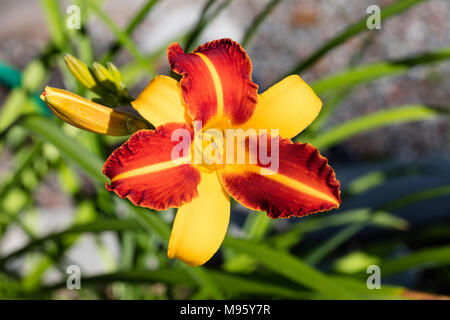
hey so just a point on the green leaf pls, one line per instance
(204, 20)
(132, 25)
(11, 179)
(94, 227)
(291, 237)
(417, 197)
(378, 218)
(122, 38)
(201, 277)
(354, 262)
(55, 21)
(68, 146)
(352, 30)
(256, 227)
(377, 178)
(332, 243)
(14, 106)
(386, 292)
(238, 284)
(358, 75)
(371, 121)
(257, 22)
(151, 220)
(423, 259)
(291, 267)
(232, 284)
(333, 101)
(33, 75)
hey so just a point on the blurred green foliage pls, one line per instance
(270, 260)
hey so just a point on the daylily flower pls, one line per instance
(216, 90)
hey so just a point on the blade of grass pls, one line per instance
(238, 284)
(291, 237)
(377, 178)
(389, 11)
(291, 267)
(257, 22)
(132, 72)
(386, 292)
(13, 178)
(423, 259)
(58, 31)
(204, 20)
(372, 121)
(379, 218)
(122, 37)
(68, 146)
(417, 197)
(132, 25)
(338, 96)
(232, 284)
(256, 226)
(359, 75)
(92, 227)
(152, 222)
(54, 19)
(202, 277)
(331, 244)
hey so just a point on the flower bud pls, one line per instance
(87, 115)
(82, 73)
(106, 78)
(114, 71)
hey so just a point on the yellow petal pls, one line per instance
(161, 102)
(289, 106)
(201, 225)
(87, 115)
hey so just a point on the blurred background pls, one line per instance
(384, 128)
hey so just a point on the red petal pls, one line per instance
(303, 184)
(216, 81)
(142, 170)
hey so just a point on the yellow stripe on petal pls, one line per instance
(200, 226)
(161, 102)
(152, 168)
(289, 106)
(277, 177)
(217, 83)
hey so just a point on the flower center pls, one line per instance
(208, 148)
